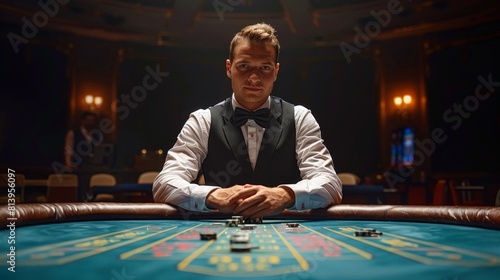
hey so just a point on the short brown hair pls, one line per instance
(259, 32)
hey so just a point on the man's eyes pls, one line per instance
(247, 67)
(243, 66)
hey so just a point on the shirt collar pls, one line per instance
(265, 105)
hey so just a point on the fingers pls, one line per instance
(218, 199)
(250, 201)
(263, 201)
(257, 209)
(242, 194)
(248, 206)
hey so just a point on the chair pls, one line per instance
(147, 177)
(467, 197)
(102, 180)
(19, 184)
(349, 178)
(144, 178)
(442, 190)
(440, 193)
(62, 188)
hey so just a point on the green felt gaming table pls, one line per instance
(315, 249)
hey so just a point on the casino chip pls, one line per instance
(232, 222)
(240, 242)
(241, 247)
(239, 218)
(368, 232)
(208, 236)
(240, 238)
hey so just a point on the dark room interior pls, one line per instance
(171, 140)
(344, 60)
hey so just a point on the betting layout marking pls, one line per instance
(419, 250)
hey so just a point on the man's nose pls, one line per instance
(253, 78)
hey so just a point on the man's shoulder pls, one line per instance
(297, 108)
(201, 113)
(221, 103)
(301, 108)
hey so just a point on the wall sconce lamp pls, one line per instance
(94, 102)
(402, 105)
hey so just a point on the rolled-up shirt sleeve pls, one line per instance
(174, 184)
(320, 186)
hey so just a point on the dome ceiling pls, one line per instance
(212, 23)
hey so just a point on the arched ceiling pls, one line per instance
(212, 23)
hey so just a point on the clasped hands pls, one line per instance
(251, 201)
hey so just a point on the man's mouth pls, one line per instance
(252, 88)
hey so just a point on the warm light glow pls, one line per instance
(160, 152)
(407, 99)
(98, 101)
(402, 111)
(94, 102)
(144, 152)
(89, 99)
(398, 101)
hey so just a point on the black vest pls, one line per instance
(227, 162)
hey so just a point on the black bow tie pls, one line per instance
(261, 117)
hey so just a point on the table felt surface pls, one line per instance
(172, 249)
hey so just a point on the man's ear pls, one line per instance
(277, 70)
(228, 68)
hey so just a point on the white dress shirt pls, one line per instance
(319, 187)
(70, 142)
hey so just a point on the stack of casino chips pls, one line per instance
(239, 220)
(368, 232)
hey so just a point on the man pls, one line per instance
(258, 167)
(79, 143)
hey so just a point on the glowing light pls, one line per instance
(407, 99)
(98, 101)
(398, 101)
(89, 99)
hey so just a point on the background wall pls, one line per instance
(469, 116)
(433, 50)
(34, 104)
(344, 106)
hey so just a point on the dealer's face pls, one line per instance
(252, 73)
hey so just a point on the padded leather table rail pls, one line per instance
(42, 213)
(154, 241)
